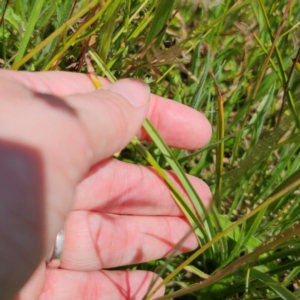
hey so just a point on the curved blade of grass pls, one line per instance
(236, 250)
(162, 14)
(279, 289)
(140, 28)
(220, 148)
(279, 255)
(254, 225)
(293, 273)
(38, 4)
(260, 115)
(195, 222)
(184, 206)
(283, 268)
(233, 267)
(287, 141)
(192, 269)
(176, 167)
(102, 66)
(287, 182)
(108, 28)
(197, 97)
(250, 244)
(260, 250)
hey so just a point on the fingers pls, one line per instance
(104, 285)
(117, 187)
(63, 284)
(179, 125)
(94, 241)
(172, 119)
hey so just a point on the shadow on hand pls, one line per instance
(22, 215)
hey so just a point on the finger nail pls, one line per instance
(135, 91)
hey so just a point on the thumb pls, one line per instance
(112, 115)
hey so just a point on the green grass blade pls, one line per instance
(279, 289)
(198, 96)
(102, 66)
(220, 148)
(46, 16)
(283, 268)
(185, 207)
(20, 9)
(254, 225)
(196, 271)
(176, 167)
(249, 244)
(38, 4)
(140, 28)
(230, 269)
(162, 14)
(262, 249)
(267, 258)
(65, 8)
(195, 222)
(108, 28)
(236, 250)
(287, 182)
(212, 145)
(292, 275)
(259, 116)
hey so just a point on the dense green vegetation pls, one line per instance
(234, 60)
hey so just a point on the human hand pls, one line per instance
(55, 169)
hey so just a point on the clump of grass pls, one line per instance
(233, 60)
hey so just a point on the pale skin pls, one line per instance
(56, 169)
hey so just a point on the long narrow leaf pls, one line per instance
(176, 167)
(233, 267)
(65, 7)
(257, 252)
(162, 14)
(108, 28)
(38, 4)
(195, 222)
(198, 96)
(279, 289)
